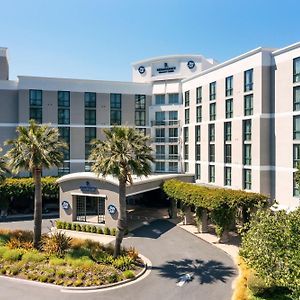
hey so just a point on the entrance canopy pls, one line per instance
(140, 184)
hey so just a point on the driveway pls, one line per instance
(173, 252)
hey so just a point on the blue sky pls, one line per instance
(99, 39)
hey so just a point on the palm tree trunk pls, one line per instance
(122, 221)
(37, 229)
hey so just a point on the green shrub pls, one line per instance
(57, 244)
(60, 272)
(113, 231)
(78, 282)
(83, 228)
(106, 231)
(3, 250)
(64, 225)
(78, 227)
(123, 263)
(33, 256)
(80, 252)
(99, 230)
(94, 229)
(112, 278)
(43, 278)
(73, 226)
(55, 261)
(256, 284)
(68, 226)
(128, 274)
(12, 255)
(59, 224)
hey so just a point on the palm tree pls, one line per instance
(124, 152)
(3, 168)
(36, 147)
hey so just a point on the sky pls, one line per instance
(100, 39)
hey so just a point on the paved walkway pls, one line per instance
(173, 253)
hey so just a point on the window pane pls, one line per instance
(187, 98)
(140, 118)
(211, 173)
(247, 154)
(174, 98)
(212, 153)
(248, 80)
(296, 155)
(212, 111)
(115, 101)
(63, 99)
(90, 99)
(227, 154)
(159, 99)
(35, 97)
(212, 90)
(227, 176)
(296, 134)
(248, 105)
(199, 114)
(63, 116)
(140, 102)
(229, 86)
(247, 130)
(229, 108)
(247, 179)
(198, 171)
(296, 69)
(296, 96)
(198, 133)
(186, 134)
(227, 131)
(187, 116)
(211, 132)
(36, 114)
(90, 116)
(115, 117)
(199, 94)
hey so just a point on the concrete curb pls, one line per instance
(141, 275)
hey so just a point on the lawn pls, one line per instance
(64, 261)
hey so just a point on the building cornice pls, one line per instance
(286, 49)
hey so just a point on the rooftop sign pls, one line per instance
(166, 69)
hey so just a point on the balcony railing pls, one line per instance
(167, 157)
(165, 123)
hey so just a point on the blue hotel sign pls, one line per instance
(88, 188)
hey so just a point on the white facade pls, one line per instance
(233, 124)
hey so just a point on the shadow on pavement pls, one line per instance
(153, 230)
(206, 272)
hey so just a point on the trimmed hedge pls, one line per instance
(24, 188)
(211, 198)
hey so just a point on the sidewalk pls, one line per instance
(231, 249)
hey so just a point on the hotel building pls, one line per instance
(234, 124)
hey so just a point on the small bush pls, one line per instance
(132, 253)
(99, 230)
(112, 278)
(106, 231)
(60, 272)
(43, 278)
(113, 231)
(55, 261)
(12, 255)
(14, 243)
(58, 243)
(33, 256)
(88, 228)
(256, 284)
(78, 282)
(68, 226)
(3, 250)
(128, 274)
(83, 228)
(64, 225)
(73, 226)
(59, 224)
(78, 227)
(94, 229)
(123, 263)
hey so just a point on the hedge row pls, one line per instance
(211, 198)
(87, 228)
(24, 188)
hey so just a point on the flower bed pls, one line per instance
(65, 261)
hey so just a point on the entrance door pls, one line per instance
(90, 209)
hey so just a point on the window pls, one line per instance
(187, 98)
(198, 171)
(63, 116)
(248, 80)
(173, 117)
(197, 133)
(211, 152)
(296, 98)
(173, 135)
(296, 155)
(90, 134)
(199, 94)
(35, 105)
(211, 132)
(212, 111)
(199, 114)
(248, 131)
(248, 105)
(64, 133)
(186, 151)
(115, 109)
(296, 69)
(229, 108)
(160, 135)
(140, 118)
(186, 134)
(174, 98)
(198, 152)
(63, 99)
(159, 99)
(173, 166)
(160, 118)
(212, 90)
(64, 169)
(227, 131)
(296, 129)
(160, 166)
(90, 117)
(173, 152)
(247, 154)
(247, 179)
(229, 86)
(211, 173)
(90, 100)
(227, 176)
(140, 102)
(160, 152)
(187, 116)
(295, 187)
(227, 153)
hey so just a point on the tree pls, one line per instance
(3, 168)
(124, 152)
(35, 147)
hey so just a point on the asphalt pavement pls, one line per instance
(174, 253)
